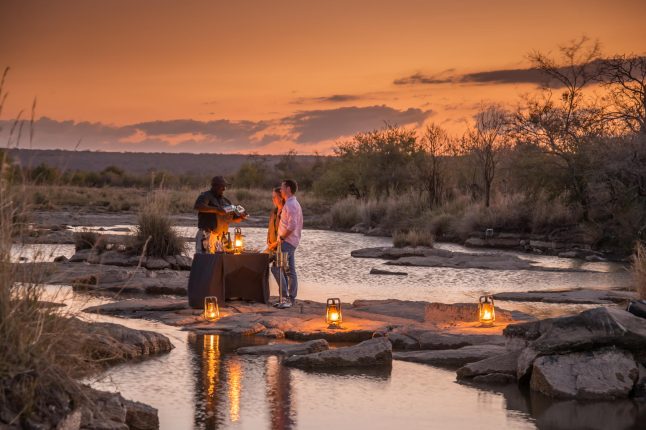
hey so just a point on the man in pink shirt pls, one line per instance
(289, 236)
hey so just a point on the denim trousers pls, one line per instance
(287, 281)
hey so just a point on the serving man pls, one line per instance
(212, 217)
(290, 227)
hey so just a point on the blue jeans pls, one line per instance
(289, 285)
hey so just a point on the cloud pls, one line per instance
(311, 127)
(502, 76)
(317, 125)
(335, 98)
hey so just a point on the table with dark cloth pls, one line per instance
(226, 276)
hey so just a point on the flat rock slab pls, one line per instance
(468, 261)
(498, 364)
(286, 349)
(451, 357)
(127, 307)
(375, 271)
(575, 296)
(370, 353)
(116, 343)
(392, 253)
(433, 340)
(602, 374)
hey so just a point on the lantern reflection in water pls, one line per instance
(211, 355)
(486, 310)
(234, 384)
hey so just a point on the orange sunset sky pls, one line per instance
(268, 76)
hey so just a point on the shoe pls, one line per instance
(285, 305)
(277, 304)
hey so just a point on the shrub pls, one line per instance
(155, 235)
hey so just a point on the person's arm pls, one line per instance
(201, 205)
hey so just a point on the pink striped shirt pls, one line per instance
(291, 218)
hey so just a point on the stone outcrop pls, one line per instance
(286, 349)
(593, 355)
(370, 353)
(600, 374)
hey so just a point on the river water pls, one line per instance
(203, 384)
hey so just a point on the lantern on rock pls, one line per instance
(238, 243)
(211, 309)
(486, 310)
(333, 315)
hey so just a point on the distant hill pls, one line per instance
(139, 162)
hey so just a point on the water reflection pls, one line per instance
(552, 414)
(280, 401)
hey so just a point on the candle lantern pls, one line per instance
(486, 311)
(238, 243)
(333, 315)
(211, 309)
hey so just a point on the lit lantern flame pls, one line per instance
(238, 242)
(211, 309)
(333, 315)
(486, 310)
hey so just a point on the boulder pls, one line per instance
(140, 416)
(499, 364)
(370, 353)
(286, 349)
(402, 342)
(602, 374)
(594, 328)
(451, 357)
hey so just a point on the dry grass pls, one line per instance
(40, 352)
(345, 213)
(155, 235)
(639, 269)
(413, 237)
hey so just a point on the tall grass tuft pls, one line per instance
(85, 240)
(413, 237)
(345, 213)
(155, 235)
(639, 269)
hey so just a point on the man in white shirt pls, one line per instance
(289, 236)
